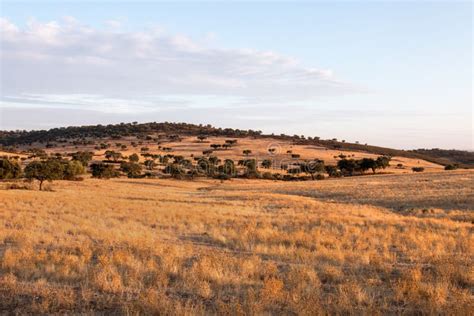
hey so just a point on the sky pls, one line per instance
(395, 74)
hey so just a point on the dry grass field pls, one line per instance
(387, 244)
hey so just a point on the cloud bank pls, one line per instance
(73, 64)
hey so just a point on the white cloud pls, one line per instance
(70, 58)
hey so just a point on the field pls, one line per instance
(384, 244)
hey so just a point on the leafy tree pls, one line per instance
(451, 167)
(418, 169)
(103, 171)
(72, 169)
(134, 158)
(368, 163)
(313, 167)
(132, 169)
(247, 152)
(348, 166)
(83, 157)
(110, 154)
(9, 169)
(150, 164)
(332, 171)
(201, 138)
(215, 146)
(227, 168)
(47, 170)
(383, 162)
(295, 156)
(266, 163)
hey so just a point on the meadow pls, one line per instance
(384, 244)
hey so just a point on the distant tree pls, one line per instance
(266, 163)
(132, 169)
(418, 169)
(46, 170)
(451, 167)
(226, 146)
(110, 154)
(201, 138)
(123, 147)
(333, 171)
(251, 168)
(150, 164)
(383, 162)
(145, 149)
(227, 168)
(247, 152)
(368, 163)
(83, 157)
(134, 158)
(103, 171)
(348, 166)
(72, 169)
(271, 150)
(295, 156)
(313, 167)
(9, 169)
(215, 146)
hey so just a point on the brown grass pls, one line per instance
(362, 245)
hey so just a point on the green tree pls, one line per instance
(47, 170)
(103, 171)
(110, 154)
(72, 169)
(83, 157)
(313, 167)
(132, 169)
(266, 163)
(9, 169)
(134, 158)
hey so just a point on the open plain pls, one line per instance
(384, 244)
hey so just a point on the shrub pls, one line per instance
(132, 169)
(451, 167)
(103, 171)
(83, 157)
(418, 169)
(266, 163)
(9, 169)
(72, 169)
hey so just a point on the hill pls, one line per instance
(86, 134)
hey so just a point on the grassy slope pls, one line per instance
(383, 244)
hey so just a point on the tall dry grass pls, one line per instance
(241, 247)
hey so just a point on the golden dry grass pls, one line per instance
(386, 244)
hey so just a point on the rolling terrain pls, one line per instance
(384, 244)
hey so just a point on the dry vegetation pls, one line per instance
(365, 245)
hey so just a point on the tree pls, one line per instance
(368, 163)
(451, 167)
(348, 166)
(247, 152)
(150, 164)
(9, 169)
(266, 163)
(295, 156)
(110, 154)
(313, 167)
(227, 168)
(418, 169)
(132, 169)
(72, 169)
(103, 171)
(134, 158)
(201, 138)
(47, 170)
(215, 146)
(83, 157)
(383, 162)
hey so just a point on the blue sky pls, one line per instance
(386, 73)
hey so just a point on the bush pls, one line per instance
(320, 176)
(103, 171)
(268, 176)
(132, 169)
(418, 169)
(9, 169)
(451, 167)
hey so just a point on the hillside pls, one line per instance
(82, 135)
